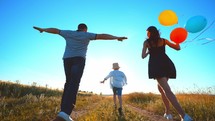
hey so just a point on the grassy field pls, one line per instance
(200, 106)
(31, 103)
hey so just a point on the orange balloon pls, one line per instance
(168, 18)
(178, 35)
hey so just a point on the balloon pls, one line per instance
(196, 24)
(178, 35)
(168, 18)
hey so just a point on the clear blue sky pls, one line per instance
(29, 56)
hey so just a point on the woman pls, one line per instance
(161, 68)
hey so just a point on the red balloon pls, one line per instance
(178, 35)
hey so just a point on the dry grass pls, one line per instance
(201, 106)
(105, 111)
(31, 103)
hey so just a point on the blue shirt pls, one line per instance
(76, 42)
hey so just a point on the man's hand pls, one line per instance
(102, 81)
(121, 38)
(39, 29)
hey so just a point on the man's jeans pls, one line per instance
(73, 68)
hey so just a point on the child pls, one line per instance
(117, 81)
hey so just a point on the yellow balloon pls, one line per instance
(168, 18)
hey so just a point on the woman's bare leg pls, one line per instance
(169, 94)
(165, 100)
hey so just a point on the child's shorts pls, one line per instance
(117, 91)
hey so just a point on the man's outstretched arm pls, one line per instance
(109, 37)
(48, 30)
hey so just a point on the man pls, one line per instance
(74, 62)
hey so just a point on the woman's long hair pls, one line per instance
(154, 35)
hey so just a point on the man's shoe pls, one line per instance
(64, 116)
(187, 118)
(168, 116)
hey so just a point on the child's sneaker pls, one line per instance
(187, 118)
(120, 111)
(168, 116)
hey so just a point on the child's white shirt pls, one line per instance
(117, 78)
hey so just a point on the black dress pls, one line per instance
(160, 65)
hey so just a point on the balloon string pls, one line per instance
(200, 33)
(203, 31)
(208, 42)
(205, 39)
